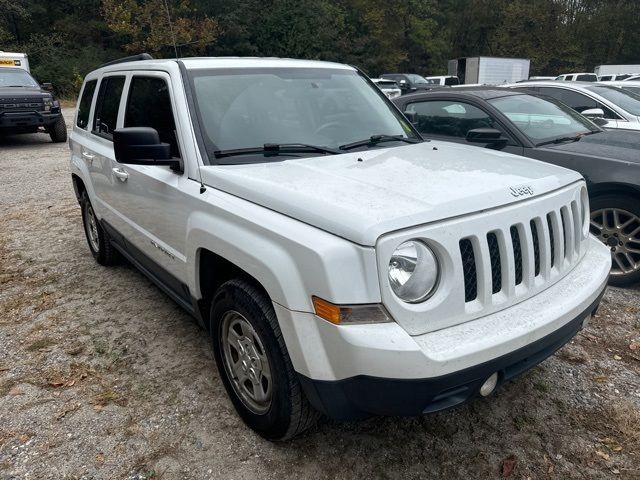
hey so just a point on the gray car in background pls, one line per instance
(544, 129)
(609, 106)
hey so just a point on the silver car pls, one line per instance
(607, 105)
(631, 86)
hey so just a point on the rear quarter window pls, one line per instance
(84, 106)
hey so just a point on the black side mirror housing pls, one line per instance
(489, 136)
(141, 146)
(47, 86)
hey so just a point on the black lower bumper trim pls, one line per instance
(15, 120)
(364, 396)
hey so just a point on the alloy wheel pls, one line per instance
(619, 230)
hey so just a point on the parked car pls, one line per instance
(577, 77)
(605, 104)
(28, 107)
(633, 87)
(389, 87)
(340, 263)
(409, 82)
(634, 78)
(614, 77)
(448, 80)
(545, 129)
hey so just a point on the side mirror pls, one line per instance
(489, 136)
(593, 113)
(141, 146)
(403, 84)
(601, 122)
(47, 86)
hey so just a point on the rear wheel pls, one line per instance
(97, 238)
(254, 364)
(615, 220)
(58, 131)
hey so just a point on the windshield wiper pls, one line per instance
(564, 139)
(376, 139)
(275, 149)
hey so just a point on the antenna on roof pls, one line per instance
(173, 35)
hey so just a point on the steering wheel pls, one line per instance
(328, 126)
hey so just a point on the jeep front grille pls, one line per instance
(525, 253)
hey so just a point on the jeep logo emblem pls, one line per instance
(520, 191)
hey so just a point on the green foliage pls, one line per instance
(67, 38)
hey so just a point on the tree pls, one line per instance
(154, 25)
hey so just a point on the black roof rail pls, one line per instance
(131, 58)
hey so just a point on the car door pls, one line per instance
(451, 120)
(98, 152)
(150, 201)
(580, 102)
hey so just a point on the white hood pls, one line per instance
(362, 195)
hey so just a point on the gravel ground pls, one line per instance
(104, 377)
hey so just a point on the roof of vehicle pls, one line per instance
(226, 62)
(485, 93)
(622, 83)
(576, 73)
(558, 83)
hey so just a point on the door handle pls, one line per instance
(120, 174)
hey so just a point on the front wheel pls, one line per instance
(254, 364)
(58, 131)
(615, 220)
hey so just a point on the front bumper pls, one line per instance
(17, 120)
(359, 370)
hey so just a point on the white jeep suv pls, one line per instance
(340, 263)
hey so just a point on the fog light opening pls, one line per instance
(489, 385)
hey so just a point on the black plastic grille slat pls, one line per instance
(469, 270)
(517, 253)
(496, 268)
(552, 238)
(536, 248)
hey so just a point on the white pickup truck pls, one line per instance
(341, 263)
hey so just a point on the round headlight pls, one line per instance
(413, 271)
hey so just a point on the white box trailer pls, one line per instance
(12, 59)
(601, 70)
(489, 70)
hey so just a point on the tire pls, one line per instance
(621, 236)
(97, 238)
(58, 131)
(282, 411)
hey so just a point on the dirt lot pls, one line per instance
(103, 377)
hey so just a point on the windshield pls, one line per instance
(628, 101)
(16, 78)
(542, 119)
(248, 108)
(387, 84)
(413, 78)
(631, 89)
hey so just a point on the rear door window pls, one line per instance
(85, 104)
(107, 105)
(149, 105)
(447, 117)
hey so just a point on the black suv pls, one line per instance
(26, 106)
